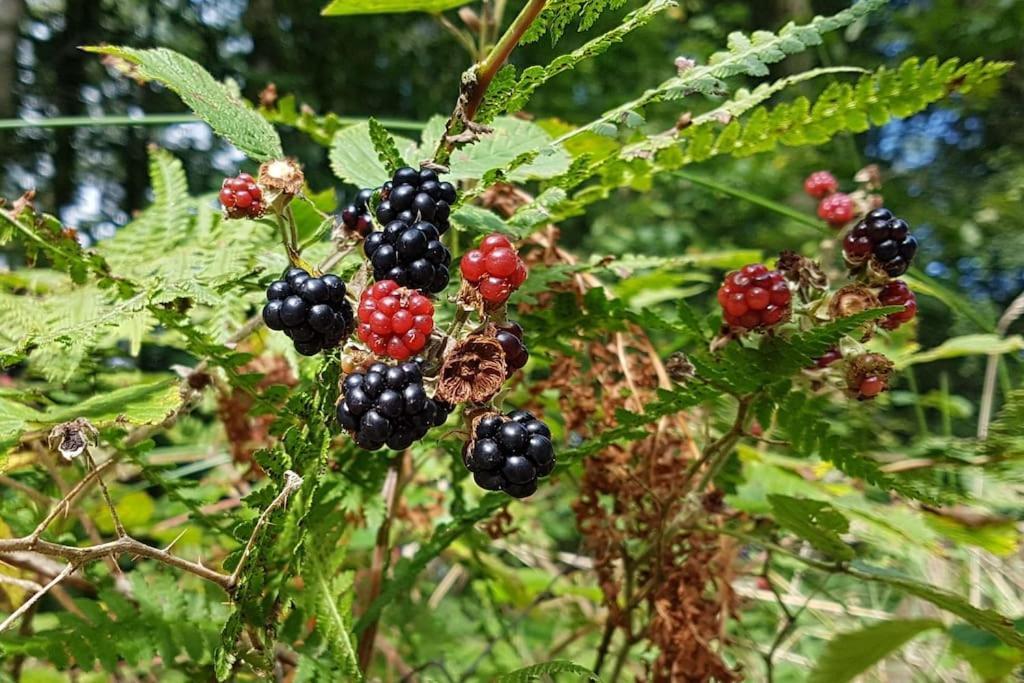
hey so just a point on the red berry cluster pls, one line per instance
(394, 321)
(896, 293)
(820, 184)
(242, 197)
(836, 208)
(494, 268)
(754, 297)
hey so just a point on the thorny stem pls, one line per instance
(716, 453)
(478, 79)
(292, 482)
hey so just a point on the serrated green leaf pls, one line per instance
(558, 666)
(355, 159)
(511, 139)
(849, 654)
(226, 112)
(814, 521)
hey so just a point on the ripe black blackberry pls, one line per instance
(884, 239)
(312, 311)
(388, 405)
(509, 453)
(412, 196)
(356, 216)
(411, 255)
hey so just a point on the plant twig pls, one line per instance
(27, 605)
(292, 482)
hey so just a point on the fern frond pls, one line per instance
(559, 14)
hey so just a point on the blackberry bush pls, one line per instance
(509, 453)
(388, 405)
(312, 311)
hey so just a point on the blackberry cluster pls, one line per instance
(883, 239)
(821, 184)
(356, 216)
(509, 452)
(411, 255)
(312, 311)
(394, 321)
(412, 196)
(388, 406)
(896, 293)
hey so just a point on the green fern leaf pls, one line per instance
(558, 666)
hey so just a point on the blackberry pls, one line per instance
(820, 184)
(356, 216)
(836, 209)
(884, 240)
(411, 255)
(510, 336)
(494, 269)
(509, 453)
(241, 197)
(394, 321)
(754, 297)
(412, 196)
(387, 405)
(312, 311)
(896, 293)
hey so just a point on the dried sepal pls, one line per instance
(473, 371)
(280, 180)
(850, 300)
(71, 439)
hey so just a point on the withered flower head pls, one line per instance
(473, 372)
(850, 300)
(679, 368)
(802, 271)
(280, 179)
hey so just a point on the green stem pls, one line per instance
(947, 419)
(755, 199)
(161, 120)
(922, 423)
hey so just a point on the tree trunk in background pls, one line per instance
(82, 28)
(11, 12)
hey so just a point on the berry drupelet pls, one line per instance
(312, 311)
(394, 321)
(896, 293)
(413, 196)
(509, 453)
(836, 209)
(411, 255)
(241, 197)
(820, 184)
(494, 269)
(883, 239)
(356, 216)
(754, 298)
(388, 406)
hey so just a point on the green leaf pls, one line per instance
(849, 654)
(557, 666)
(387, 150)
(339, 8)
(990, 658)
(511, 139)
(137, 404)
(987, 620)
(814, 521)
(214, 102)
(966, 345)
(355, 158)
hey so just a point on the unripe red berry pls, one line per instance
(754, 298)
(494, 268)
(820, 184)
(836, 209)
(241, 197)
(828, 358)
(394, 321)
(896, 293)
